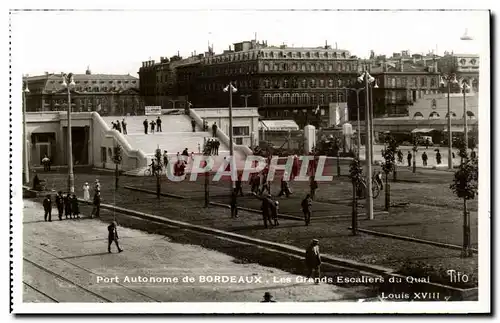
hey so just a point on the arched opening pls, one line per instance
(471, 115)
(453, 115)
(418, 115)
(434, 115)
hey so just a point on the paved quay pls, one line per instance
(67, 261)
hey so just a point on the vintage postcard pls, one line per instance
(218, 161)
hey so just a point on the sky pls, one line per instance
(117, 42)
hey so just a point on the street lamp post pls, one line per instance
(465, 87)
(359, 122)
(448, 80)
(67, 81)
(246, 96)
(368, 79)
(230, 88)
(25, 136)
(372, 127)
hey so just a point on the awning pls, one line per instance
(455, 129)
(422, 130)
(278, 125)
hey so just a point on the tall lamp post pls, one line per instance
(25, 136)
(448, 80)
(359, 122)
(68, 82)
(465, 88)
(246, 96)
(231, 89)
(368, 79)
(372, 127)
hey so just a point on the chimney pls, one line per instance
(414, 60)
(435, 65)
(401, 65)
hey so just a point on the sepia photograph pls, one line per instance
(214, 160)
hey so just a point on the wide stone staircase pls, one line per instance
(176, 135)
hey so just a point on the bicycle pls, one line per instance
(377, 186)
(149, 172)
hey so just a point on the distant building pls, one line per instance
(295, 83)
(402, 79)
(465, 66)
(107, 94)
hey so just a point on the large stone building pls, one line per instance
(107, 94)
(402, 79)
(465, 66)
(283, 82)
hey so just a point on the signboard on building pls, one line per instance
(152, 110)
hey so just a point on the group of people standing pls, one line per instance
(68, 205)
(152, 123)
(425, 157)
(212, 147)
(119, 126)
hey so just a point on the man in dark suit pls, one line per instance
(47, 207)
(113, 236)
(97, 205)
(60, 204)
(145, 124)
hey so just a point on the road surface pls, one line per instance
(67, 261)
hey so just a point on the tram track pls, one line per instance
(86, 270)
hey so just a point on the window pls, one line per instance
(295, 98)
(267, 99)
(313, 68)
(434, 115)
(303, 67)
(331, 97)
(322, 112)
(285, 83)
(463, 61)
(473, 61)
(266, 68)
(238, 141)
(286, 98)
(276, 98)
(303, 84)
(308, 55)
(330, 82)
(433, 82)
(305, 98)
(267, 83)
(312, 83)
(294, 67)
(295, 83)
(418, 115)
(314, 99)
(321, 83)
(330, 67)
(241, 131)
(423, 81)
(321, 99)
(339, 67)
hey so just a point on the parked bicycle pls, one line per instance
(149, 171)
(377, 186)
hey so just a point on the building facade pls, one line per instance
(465, 66)
(402, 79)
(107, 94)
(284, 82)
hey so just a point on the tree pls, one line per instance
(157, 171)
(465, 185)
(389, 165)
(355, 174)
(117, 159)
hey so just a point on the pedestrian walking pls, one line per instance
(193, 125)
(113, 236)
(275, 207)
(424, 158)
(152, 123)
(239, 186)
(145, 124)
(214, 130)
(313, 260)
(67, 206)
(307, 208)
(118, 127)
(75, 209)
(408, 157)
(285, 190)
(400, 156)
(158, 124)
(313, 186)
(266, 210)
(234, 205)
(438, 157)
(124, 126)
(60, 204)
(86, 192)
(165, 159)
(47, 208)
(97, 205)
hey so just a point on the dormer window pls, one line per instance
(463, 61)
